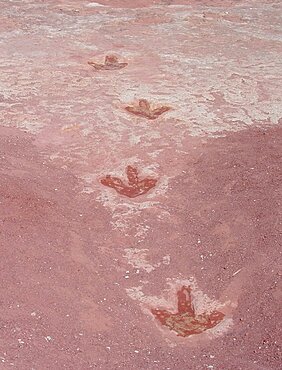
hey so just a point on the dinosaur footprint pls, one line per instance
(143, 109)
(135, 186)
(186, 322)
(111, 63)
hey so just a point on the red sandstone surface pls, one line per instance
(132, 243)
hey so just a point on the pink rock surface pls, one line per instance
(83, 266)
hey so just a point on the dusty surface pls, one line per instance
(113, 207)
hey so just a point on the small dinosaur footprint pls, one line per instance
(111, 63)
(186, 322)
(134, 188)
(144, 109)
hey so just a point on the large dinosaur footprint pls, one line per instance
(186, 322)
(144, 109)
(111, 63)
(135, 186)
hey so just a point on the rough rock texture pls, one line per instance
(192, 201)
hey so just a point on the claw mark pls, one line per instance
(73, 127)
(135, 186)
(111, 63)
(144, 109)
(186, 322)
